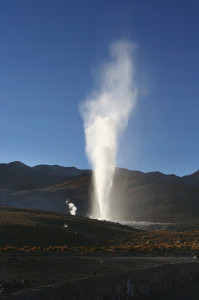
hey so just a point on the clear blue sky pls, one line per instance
(49, 51)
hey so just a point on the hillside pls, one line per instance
(135, 195)
(31, 227)
(154, 196)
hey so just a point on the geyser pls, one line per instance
(105, 113)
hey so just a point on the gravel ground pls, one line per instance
(19, 272)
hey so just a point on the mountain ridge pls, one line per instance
(134, 194)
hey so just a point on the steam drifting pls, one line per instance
(72, 208)
(105, 113)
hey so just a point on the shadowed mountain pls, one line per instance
(19, 176)
(134, 194)
(57, 170)
(154, 196)
(44, 187)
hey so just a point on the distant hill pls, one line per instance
(155, 196)
(134, 195)
(19, 176)
(57, 170)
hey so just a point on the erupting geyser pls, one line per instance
(105, 113)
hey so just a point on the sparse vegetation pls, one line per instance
(142, 247)
(32, 231)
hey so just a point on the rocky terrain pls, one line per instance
(96, 277)
(51, 255)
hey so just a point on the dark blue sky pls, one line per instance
(49, 51)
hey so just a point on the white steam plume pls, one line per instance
(72, 208)
(105, 113)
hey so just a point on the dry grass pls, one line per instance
(44, 232)
(140, 247)
(160, 241)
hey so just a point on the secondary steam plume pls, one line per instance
(105, 113)
(72, 208)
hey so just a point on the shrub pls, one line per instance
(26, 248)
(65, 248)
